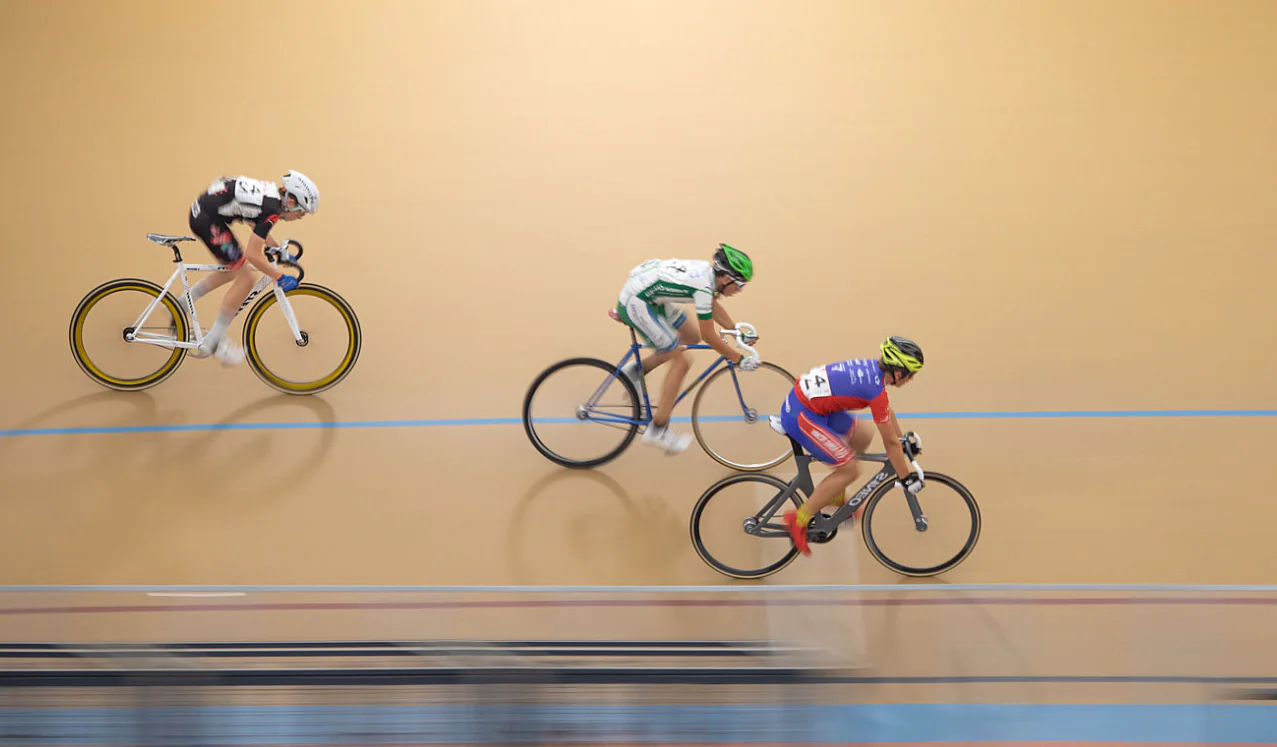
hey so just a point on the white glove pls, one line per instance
(749, 363)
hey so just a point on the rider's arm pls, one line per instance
(885, 418)
(722, 317)
(709, 333)
(707, 309)
(255, 253)
(894, 450)
(895, 424)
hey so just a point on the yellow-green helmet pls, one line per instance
(897, 352)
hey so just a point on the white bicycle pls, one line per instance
(127, 350)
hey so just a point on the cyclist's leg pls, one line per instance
(206, 224)
(828, 439)
(653, 323)
(858, 438)
(688, 334)
(655, 333)
(217, 236)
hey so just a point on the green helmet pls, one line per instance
(734, 263)
(897, 352)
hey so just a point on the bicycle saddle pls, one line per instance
(163, 240)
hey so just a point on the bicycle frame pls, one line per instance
(151, 338)
(633, 353)
(824, 525)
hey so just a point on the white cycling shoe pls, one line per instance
(229, 353)
(666, 438)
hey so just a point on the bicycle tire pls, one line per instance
(81, 354)
(698, 542)
(786, 451)
(866, 527)
(354, 342)
(557, 458)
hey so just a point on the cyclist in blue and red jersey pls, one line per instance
(818, 415)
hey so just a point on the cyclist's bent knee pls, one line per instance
(849, 471)
(860, 438)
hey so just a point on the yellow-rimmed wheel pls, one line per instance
(112, 351)
(323, 357)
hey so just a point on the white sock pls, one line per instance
(198, 291)
(219, 328)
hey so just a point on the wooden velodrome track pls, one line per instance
(1069, 205)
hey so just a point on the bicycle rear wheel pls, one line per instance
(111, 351)
(736, 526)
(941, 539)
(578, 414)
(330, 344)
(729, 417)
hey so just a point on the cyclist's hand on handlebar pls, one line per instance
(287, 283)
(912, 482)
(749, 363)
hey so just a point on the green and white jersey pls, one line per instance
(673, 281)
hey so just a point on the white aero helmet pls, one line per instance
(303, 190)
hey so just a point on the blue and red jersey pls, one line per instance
(846, 385)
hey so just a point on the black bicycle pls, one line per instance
(894, 524)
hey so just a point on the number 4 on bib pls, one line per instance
(815, 383)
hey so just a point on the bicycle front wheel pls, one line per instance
(578, 414)
(730, 412)
(736, 526)
(118, 355)
(941, 538)
(325, 354)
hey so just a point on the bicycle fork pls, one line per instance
(299, 337)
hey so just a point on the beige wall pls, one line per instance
(1041, 193)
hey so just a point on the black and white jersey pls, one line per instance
(239, 198)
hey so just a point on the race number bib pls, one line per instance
(249, 191)
(815, 383)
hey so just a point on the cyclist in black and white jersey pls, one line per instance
(260, 204)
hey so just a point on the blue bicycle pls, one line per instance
(583, 412)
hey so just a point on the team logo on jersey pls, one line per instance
(272, 219)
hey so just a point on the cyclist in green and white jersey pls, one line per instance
(650, 302)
